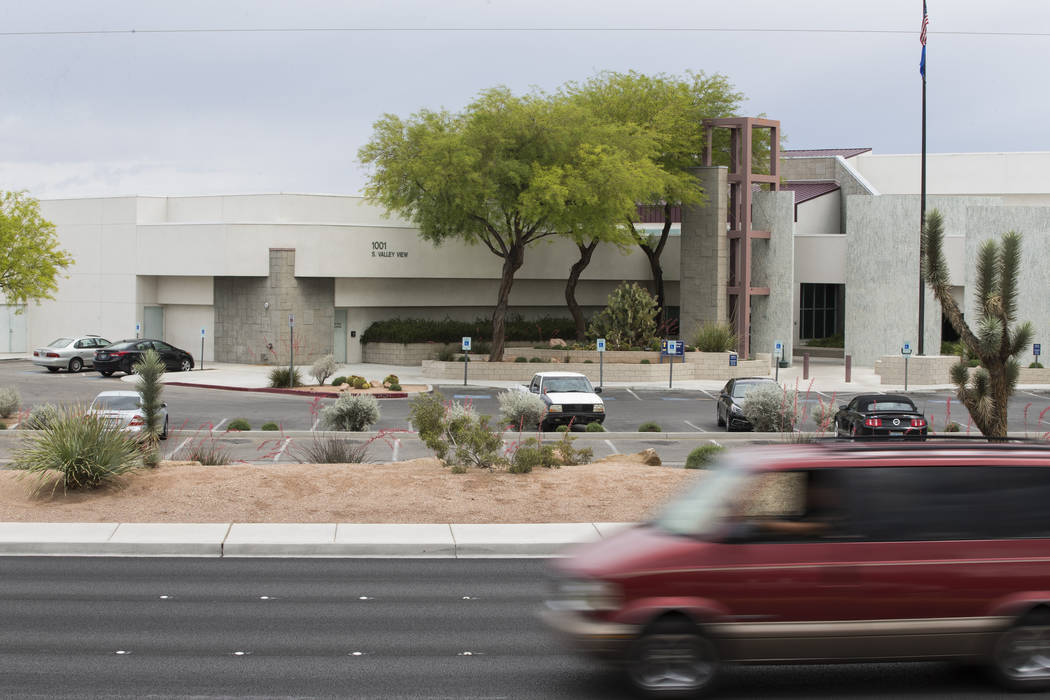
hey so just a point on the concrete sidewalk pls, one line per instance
(445, 541)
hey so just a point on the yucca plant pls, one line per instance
(997, 341)
(149, 370)
(76, 450)
(329, 450)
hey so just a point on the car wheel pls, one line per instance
(1021, 657)
(718, 417)
(672, 659)
(186, 365)
(128, 367)
(106, 372)
(164, 432)
(52, 369)
(76, 364)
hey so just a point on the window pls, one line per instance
(819, 311)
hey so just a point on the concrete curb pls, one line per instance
(338, 540)
(292, 392)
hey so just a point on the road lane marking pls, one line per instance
(471, 396)
(218, 425)
(694, 427)
(612, 447)
(314, 426)
(633, 394)
(281, 451)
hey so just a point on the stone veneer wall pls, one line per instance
(704, 257)
(773, 266)
(248, 331)
(713, 365)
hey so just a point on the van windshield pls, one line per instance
(700, 510)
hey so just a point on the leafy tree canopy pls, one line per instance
(30, 259)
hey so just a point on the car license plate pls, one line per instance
(896, 433)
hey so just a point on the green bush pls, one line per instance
(532, 453)
(702, 456)
(521, 410)
(588, 362)
(340, 380)
(3, 426)
(628, 320)
(239, 424)
(279, 377)
(329, 450)
(447, 354)
(952, 427)
(391, 379)
(595, 427)
(770, 408)
(644, 361)
(77, 450)
(516, 328)
(519, 358)
(562, 429)
(1036, 365)
(207, 452)
(567, 453)
(323, 368)
(353, 412)
(270, 426)
(833, 341)
(40, 417)
(715, 337)
(649, 427)
(395, 387)
(535, 359)
(952, 347)
(359, 382)
(455, 432)
(10, 401)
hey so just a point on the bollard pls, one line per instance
(849, 366)
(805, 365)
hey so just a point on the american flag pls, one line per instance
(922, 39)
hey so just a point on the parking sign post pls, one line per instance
(778, 357)
(906, 351)
(601, 360)
(291, 351)
(1035, 351)
(138, 327)
(466, 357)
(202, 348)
(672, 350)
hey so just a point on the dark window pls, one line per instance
(818, 311)
(950, 503)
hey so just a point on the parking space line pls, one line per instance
(218, 425)
(397, 445)
(281, 451)
(612, 447)
(716, 443)
(314, 426)
(179, 448)
(694, 427)
(633, 394)
(709, 394)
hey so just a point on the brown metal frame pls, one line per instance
(741, 233)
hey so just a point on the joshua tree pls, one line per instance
(150, 369)
(995, 343)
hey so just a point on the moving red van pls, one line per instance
(825, 553)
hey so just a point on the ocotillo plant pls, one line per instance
(996, 339)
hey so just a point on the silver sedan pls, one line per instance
(69, 353)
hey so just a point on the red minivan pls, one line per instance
(823, 553)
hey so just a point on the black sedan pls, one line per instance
(122, 356)
(890, 416)
(729, 411)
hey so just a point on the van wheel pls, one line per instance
(1021, 657)
(672, 659)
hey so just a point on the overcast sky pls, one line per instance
(88, 108)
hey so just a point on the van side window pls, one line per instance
(795, 506)
(951, 503)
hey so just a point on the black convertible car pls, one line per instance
(887, 416)
(122, 356)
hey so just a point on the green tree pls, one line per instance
(30, 259)
(671, 109)
(629, 320)
(507, 172)
(997, 340)
(149, 370)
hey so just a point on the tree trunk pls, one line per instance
(511, 263)
(654, 264)
(570, 287)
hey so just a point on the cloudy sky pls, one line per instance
(201, 100)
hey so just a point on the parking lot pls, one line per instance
(689, 415)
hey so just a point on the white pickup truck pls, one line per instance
(570, 398)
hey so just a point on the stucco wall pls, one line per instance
(704, 259)
(773, 266)
(821, 214)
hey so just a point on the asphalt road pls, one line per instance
(351, 628)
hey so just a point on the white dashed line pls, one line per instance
(397, 446)
(633, 394)
(280, 452)
(612, 447)
(694, 427)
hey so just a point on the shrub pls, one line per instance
(354, 412)
(83, 450)
(595, 427)
(415, 330)
(522, 410)
(832, 341)
(628, 320)
(3, 426)
(340, 380)
(568, 454)
(40, 417)
(952, 427)
(270, 426)
(644, 361)
(588, 362)
(207, 452)
(519, 358)
(770, 408)
(323, 368)
(1035, 365)
(10, 402)
(455, 432)
(447, 354)
(535, 359)
(532, 453)
(702, 456)
(359, 382)
(649, 427)
(395, 387)
(825, 414)
(149, 370)
(279, 377)
(239, 424)
(391, 379)
(715, 337)
(330, 450)
(562, 429)
(952, 347)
